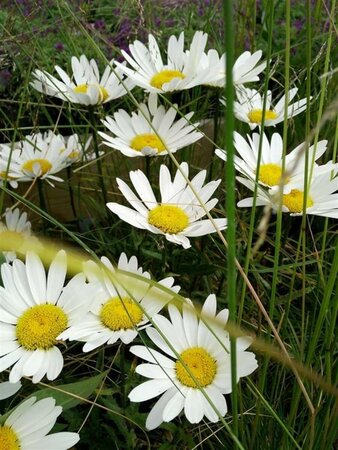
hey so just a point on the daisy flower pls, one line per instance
(16, 227)
(178, 215)
(120, 309)
(136, 137)
(201, 352)
(271, 161)
(43, 155)
(182, 70)
(249, 107)
(34, 312)
(321, 199)
(245, 69)
(27, 426)
(87, 88)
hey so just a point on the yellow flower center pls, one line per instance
(140, 141)
(39, 326)
(271, 174)
(8, 439)
(169, 219)
(294, 201)
(256, 115)
(74, 155)
(121, 314)
(165, 76)
(201, 365)
(4, 174)
(45, 165)
(82, 89)
(12, 238)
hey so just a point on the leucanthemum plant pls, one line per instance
(42, 155)
(151, 131)
(321, 198)
(17, 228)
(182, 70)
(271, 162)
(85, 86)
(249, 107)
(121, 308)
(34, 312)
(177, 216)
(192, 361)
(28, 425)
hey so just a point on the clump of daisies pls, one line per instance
(41, 155)
(283, 181)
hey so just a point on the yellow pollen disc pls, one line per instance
(74, 155)
(4, 174)
(165, 76)
(270, 174)
(141, 141)
(39, 326)
(121, 314)
(45, 165)
(82, 89)
(8, 439)
(12, 238)
(201, 365)
(294, 201)
(256, 115)
(169, 219)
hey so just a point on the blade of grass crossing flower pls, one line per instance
(230, 199)
(270, 14)
(324, 80)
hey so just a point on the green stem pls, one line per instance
(97, 153)
(43, 204)
(270, 14)
(70, 190)
(230, 200)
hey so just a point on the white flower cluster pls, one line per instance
(103, 305)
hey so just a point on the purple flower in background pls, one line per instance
(59, 46)
(298, 24)
(100, 24)
(170, 23)
(5, 78)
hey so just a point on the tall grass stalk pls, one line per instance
(230, 198)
